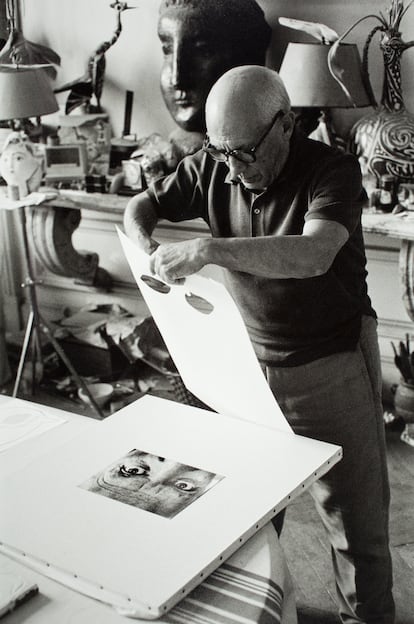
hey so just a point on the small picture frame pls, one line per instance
(65, 162)
(94, 132)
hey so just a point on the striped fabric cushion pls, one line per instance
(231, 595)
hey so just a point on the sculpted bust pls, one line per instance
(19, 166)
(202, 39)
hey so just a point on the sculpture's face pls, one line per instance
(194, 58)
(17, 164)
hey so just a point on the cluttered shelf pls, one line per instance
(60, 222)
(400, 226)
(111, 203)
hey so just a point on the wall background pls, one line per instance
(74, 29)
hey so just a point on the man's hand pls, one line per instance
(174, 261)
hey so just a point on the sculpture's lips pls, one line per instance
(184, 99)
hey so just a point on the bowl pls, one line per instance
(101, 392)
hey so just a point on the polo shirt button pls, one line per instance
(256, 211)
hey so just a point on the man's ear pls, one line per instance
(288, 123)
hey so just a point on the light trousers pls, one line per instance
(338, 399)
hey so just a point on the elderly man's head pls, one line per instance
(202, 39)
(249, 124)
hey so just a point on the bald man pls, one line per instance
(285, 217)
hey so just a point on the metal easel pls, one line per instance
(38, 326)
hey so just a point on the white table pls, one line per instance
(253, 585)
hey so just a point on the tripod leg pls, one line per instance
(61, 353)
(26, 344)
(36, 323)
(37, 356)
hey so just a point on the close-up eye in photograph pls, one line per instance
(153, 484)
(206, 232)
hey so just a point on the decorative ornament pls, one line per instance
(91, 83)
(383, 140)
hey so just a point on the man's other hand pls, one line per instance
(174, 261)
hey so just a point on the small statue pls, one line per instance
(91, 83)
(19, 166)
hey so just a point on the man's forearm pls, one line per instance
(140, 219)
(302, 256)
(263, 256)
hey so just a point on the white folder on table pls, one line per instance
(88, 516)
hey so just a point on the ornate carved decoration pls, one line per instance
(384, 140)
(406, 268)
(51, 232)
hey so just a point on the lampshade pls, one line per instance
(25, 92)
(309, 83)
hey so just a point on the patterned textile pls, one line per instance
(230, 596)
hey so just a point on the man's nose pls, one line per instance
(152, 489)
(236, 167)
(166, 475)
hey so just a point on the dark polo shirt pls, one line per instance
(290, 321)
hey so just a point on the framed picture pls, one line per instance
(94, 133)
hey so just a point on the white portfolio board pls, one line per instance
(139, 509)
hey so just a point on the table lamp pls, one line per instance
(310, 84)
(25, 92)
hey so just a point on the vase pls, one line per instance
(404, 401)
(384, 139)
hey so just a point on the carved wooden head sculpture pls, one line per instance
(202, 39)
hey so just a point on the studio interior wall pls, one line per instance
(75, 28)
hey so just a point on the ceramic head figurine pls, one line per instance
(19, 166)
(202, 39)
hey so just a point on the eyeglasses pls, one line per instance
(243, 155)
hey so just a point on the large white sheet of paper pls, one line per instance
(144, 550)
(20, 420)
(212, 351)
